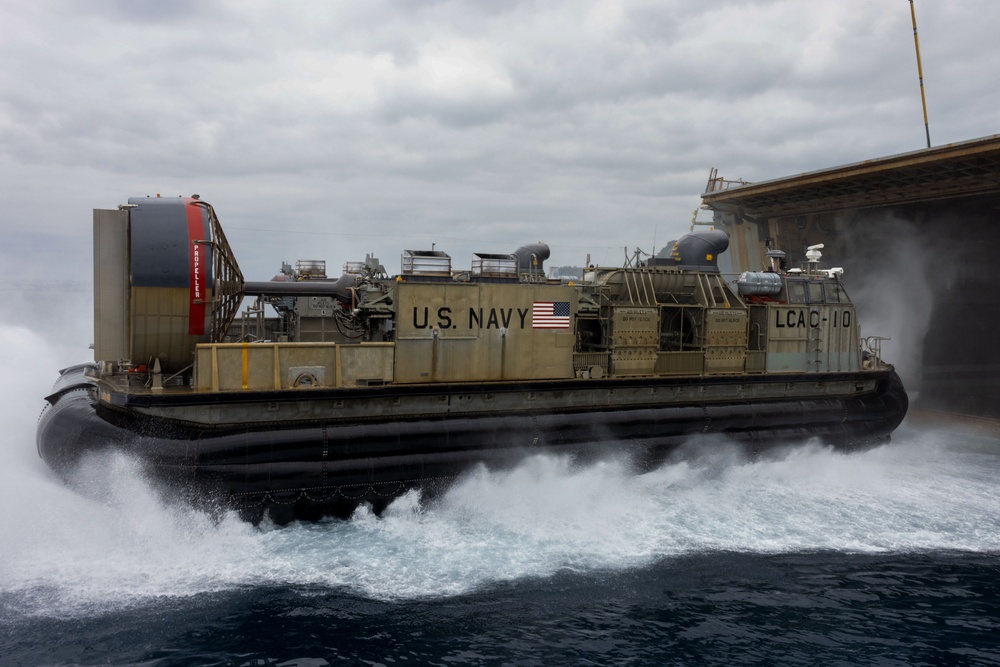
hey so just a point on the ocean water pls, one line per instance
(807, 556)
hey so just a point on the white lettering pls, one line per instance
(197, 271)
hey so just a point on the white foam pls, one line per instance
(115, 542)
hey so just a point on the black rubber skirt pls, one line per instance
(311, 469)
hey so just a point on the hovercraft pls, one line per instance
(331, 392)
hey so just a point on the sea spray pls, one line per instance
(115, 541)
(75, 552)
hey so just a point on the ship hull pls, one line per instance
(306, 457)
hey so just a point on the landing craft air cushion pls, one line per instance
(361, 388)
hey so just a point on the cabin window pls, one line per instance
(816, 293)
(796, 291)
(835, 293)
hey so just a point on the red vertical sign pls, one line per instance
(196, 264)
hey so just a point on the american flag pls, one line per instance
(550, 315)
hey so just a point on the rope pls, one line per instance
(325, 493)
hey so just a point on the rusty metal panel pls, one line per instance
(549, 352)
(366, 363)
(838, 336)
(204, 368)
(236, 367)
(636, 336)
(812, 337)
(414, 362)
(298, 365)
(436, 332)
(725, 340)
(265, 366)
(160, 326)
(481, 332)
(787, 337)
(680, 363)
(445, 308)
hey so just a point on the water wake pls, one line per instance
(114, 541)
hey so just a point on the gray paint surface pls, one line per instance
(160, 252)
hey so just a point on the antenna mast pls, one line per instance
(920, 73)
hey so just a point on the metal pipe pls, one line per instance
(301, 287)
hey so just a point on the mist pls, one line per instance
(889, 280)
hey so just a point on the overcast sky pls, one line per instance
(326, 130)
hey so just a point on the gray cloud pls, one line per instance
(331, 129)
